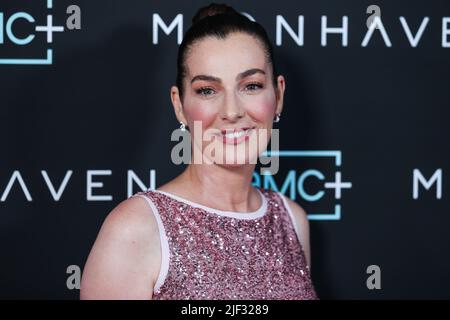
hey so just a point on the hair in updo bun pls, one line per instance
(219, 21)
(212, 10)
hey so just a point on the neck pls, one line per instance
(223, 185)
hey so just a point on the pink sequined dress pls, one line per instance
(214, 254)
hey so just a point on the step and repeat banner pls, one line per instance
(86, 121)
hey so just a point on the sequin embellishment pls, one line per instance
(220, 257)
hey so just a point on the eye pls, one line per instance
(205, 91)
(253, 86)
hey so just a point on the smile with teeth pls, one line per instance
(235, 136)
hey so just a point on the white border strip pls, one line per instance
(288, 208)
(260, 212)
(165, 254)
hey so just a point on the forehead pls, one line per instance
(226, 57)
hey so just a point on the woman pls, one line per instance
(208, 234)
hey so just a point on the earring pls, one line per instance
(277, 118)
(182, 126)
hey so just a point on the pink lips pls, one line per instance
(224, 131)
(235, 136)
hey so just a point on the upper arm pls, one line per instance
(125, 258)
(302, 226)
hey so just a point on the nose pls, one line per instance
(232, 109)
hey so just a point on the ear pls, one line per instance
(281, 85)
(177, 105)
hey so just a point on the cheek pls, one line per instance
(262, 108)
(200, 112)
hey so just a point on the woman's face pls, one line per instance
(229, 94)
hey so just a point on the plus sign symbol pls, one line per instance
(49, 28)
(338, 185)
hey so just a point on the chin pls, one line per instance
(240, 160)
(231, 155)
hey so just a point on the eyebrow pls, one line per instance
(240, 76)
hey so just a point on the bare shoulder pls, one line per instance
(301, 223)
(125, 258)
(131, 218)
(298, 212)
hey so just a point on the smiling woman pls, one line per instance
(208, 233)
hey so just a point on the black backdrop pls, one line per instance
(100, 106)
